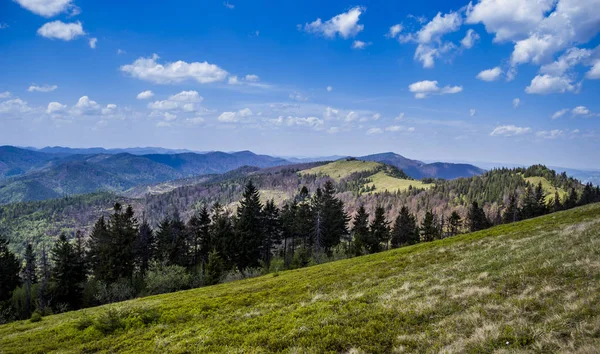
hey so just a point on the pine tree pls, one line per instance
(429, 227)
(454, 224)
(572, 199)
(123, 231)
(512, 212)
(529, 204)
(540, 201)
(222, 234)
(380, 231)
(144, 247)
(360, 231)
(9, 270)
(556, 203)
(100, 248)
(171, 241)
(214, 269)
(405, 231)
(587, 195)
(66, 277)
(248, 229)
(331, 220)
(199, 237)
(477, 219)
(44, 295)
(288, 227)
(29, 277)
(272, 230)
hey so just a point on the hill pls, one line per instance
(527, 286)
(342, 168)
(418, 170)
(38, 176)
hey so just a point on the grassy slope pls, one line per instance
(549, 189)
(342, 168)
(533, 285)
(384, 182)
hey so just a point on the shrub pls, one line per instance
(165, 279)
(120, 290)
(36, 317)
(214, 269)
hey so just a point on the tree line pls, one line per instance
(124, 257)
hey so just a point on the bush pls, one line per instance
(117, 318)
(215, 269)
(120, 290)
(35, 317)
(165, 279)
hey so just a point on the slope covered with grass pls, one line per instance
(342, 168)
(549, 189)
(384, 182)
(532, 285)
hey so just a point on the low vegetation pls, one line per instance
(342, 168)
(526, 286)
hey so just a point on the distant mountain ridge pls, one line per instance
(419, 170)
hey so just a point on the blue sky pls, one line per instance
(509, 81)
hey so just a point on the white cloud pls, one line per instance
(298, 96)
(144, 95)
(399, 128)
(333, 130)
(234, 117)
(509, 19)
(46, 8)
(490, 74)
(516, 102)
(55, 108)
(120, 51)
(376, 116)
(427, 54)
(425, 88)
(150, 70)
(509, 130)
(552, 134)
(470, 38)
(351, 116)
(394, 30)
(233, 80)
(311, 122)
(85, 106)
(545, 84)
(196, 120)
(110, 108)
(165, 105)
(560, 113)
(344, 24)
(360, 44)
(472, 112)
(252, 78)
(61, 30)
(228, 5)
(329, 88)
(594, 72)
(15, 106)
(44, 88)
(580, 111)
(169, 117)
(565, 62)
(374, 131)
(187, 96)
(400, 116)
(4, 94)
(92, 42)
(3, 25)
(331, 113)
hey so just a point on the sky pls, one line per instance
(507, 81)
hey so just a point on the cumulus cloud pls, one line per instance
(516, 102)
(360, 44)
(297, 96)
(400, 116)
(14, 106)
(490, 74)
(545, 84)
(509, 130)
(92, 42)
(235, 117)
(149, 69)
(4, 94)
(56, 108)
(580, 111)
(345, 24)
(594, 72)
(394, 30)
(470, 38)
(187, 96)
(329, 88)
(144, 95)
(374, 131)
(252, 78)
(110, 108)
(399, 128)
(425, 88)
(229, 5)
(61, 30)
(44, 88)
(46, 8)
(560, 113)
(311, 122)
(85, 106)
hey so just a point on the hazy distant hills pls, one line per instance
(418, 169)
(28, 174)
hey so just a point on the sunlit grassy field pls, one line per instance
(532, 286)
(342, 168)
(384, 182)
(549, 189)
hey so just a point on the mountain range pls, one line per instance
(28, 174)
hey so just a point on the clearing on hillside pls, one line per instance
(549, 189)
(384, 182)
(531, 286)
(342, 168)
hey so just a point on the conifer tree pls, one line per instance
(123, 232)
(512, 212)
(214, 269)
(272, 230)
(556, 203)
(405, 231)
(171, 241)
(529, 203)
(454, 224)
(145, 247)
(477, 219)
(587, 195)
(9, 270)
(29, 277)
(380, 231)
(540, 201)
(360, 231)
(199, 237)
(331, 221)
(429, 227)
(248, 229)
(288, 227)
(100, 248)
(66, 277)
(572, 199)
(222, 234)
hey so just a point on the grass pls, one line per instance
(277, 195)
(384, 182)
(342, 168)
(532, 286)
(549, 189)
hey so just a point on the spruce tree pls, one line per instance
(477, 219)
(512, 212)
(331, 221)
(380, 231)
(587, 195)
(556, 203)
(572, 199)
(199, 237)
(100, 248)
(123, 232)
(360, 231)
(249, 229)
(429, 227)
(540, 201)
(529, 204)
(171, 241)
(405, 231)
(66, 277)
(222, 234)
(9, 270)
(454, 224)
(144, 247)
(29, 277)
(214, 269)
(272, 230)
